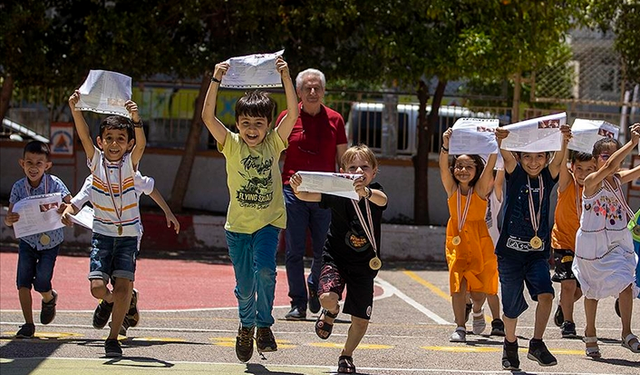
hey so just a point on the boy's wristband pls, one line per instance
(137, 124)
(444, 149)
(369, 192)
(214, 79)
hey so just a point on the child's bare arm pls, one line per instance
(81, 126)
(289, 120)
(69, 209)
(559, 157)
(294, 181)
(509, 160)
(141, 139)
(565, 177)
(485, 182)
(11, 217)
(375, 196)
(215, 126)
(443, 160)
(171, 219)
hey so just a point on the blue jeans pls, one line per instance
(112, 257)
(254, 264)
(515, 273)
(300, 216)
(35, 267)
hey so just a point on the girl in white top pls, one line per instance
(605, 261)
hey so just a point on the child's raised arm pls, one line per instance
(215, 126)
(81, 126)
(141, 139)
(509, 160)
(446, 177)
(559, 157)
(286, 124)
(485, 182)
(633, 173)
(565, 177)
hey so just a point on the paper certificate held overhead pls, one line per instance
(253, 71)
(105, 92)
(340, 184)
(538, 134)
(584, 133)
(473, 136)
(38, 214)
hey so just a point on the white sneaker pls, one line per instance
(459, 335)
(479, 324)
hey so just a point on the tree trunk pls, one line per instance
(5, 95)
(421, 160)
(181, 182)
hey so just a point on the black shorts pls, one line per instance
(359, 299)
(563, 260)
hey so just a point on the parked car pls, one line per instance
(364, 125)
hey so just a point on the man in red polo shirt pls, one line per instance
(316, 143)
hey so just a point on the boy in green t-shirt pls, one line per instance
(256, 209)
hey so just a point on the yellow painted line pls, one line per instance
(427, 284)
(47, 335)
(361, 346)
(477, 349)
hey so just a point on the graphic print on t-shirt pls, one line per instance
(257, 191)
(355, 237)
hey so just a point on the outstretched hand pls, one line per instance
(446, 137)
(282, 67)
(74, 99)
(220, 70)
(635, 131)
(294, 181)
(132, 108)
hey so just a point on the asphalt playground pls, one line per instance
(189, 322)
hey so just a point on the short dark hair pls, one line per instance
(37, 147)
(255, 104)
(117, 122)
(477, 160)
(580, 156)
(602, 143)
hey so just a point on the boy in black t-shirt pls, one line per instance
(351, 252)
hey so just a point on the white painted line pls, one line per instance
(433, 316)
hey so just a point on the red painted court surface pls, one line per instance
(163, 284)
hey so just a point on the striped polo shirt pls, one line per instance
(113, 192)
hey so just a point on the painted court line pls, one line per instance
(433, 316)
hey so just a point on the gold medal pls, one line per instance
(119, 230)
(536, 242)
(375, 263)
(456, 240)
(636, 230)
(45, 239)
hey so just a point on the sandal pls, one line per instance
(345, 365)
(592, 351)
(323, 329)
(633, 346)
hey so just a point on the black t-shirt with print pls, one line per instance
(347, 244)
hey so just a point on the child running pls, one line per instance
(469, 249)
(351, 252)
(37, 253)
(524, 246)
(256, 209)
(116, 221)
(605, 261)
(563, 235)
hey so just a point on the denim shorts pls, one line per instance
(514, 273)
(35, 268)
(113, 257)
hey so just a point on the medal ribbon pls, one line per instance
(111, 194)
(463, 219)
(368, 229)
(535, 219)
(617, 192)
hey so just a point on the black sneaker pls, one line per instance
(538, 352)
(510, 359)
(48, 310)
(467, 311)
(26, 331)
(497, 327)
(616, 306)
(101, 314)
(124, 327)
(558, 317)
(568, 329)
(296, 313)
(133, 316)
(112, 348)
(244, 343)
(265, 342)
(314, 302)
